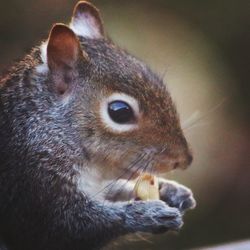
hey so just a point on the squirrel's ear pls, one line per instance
(63, 53)
(63, 49)
(86, 21)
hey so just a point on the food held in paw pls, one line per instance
(147, 187)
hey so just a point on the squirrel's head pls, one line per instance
(122, 112)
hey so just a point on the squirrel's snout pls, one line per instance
(172, 159)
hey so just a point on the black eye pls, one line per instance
(120, 112)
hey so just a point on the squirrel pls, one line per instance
(80, 119)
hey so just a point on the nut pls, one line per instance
(147, 187)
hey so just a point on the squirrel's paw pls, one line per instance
(152, 217)
(177, 195)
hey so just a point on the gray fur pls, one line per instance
(176, 195)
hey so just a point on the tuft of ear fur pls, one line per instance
(86, 21)
(63, 53)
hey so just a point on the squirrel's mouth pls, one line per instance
(163, 167)
(156, 163)
(158, 168)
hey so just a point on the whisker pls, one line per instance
(144, 157)
(197, 117)
(191, 119)
(129, 179)
(124, 184)
(138, 168)
(136, 171)
(197, 125)
(163, 74)
(144, 169)
(119, 177)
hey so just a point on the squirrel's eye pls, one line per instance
(120, 112)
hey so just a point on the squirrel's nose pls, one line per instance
(187, 160)
(175, 158)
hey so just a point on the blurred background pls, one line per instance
(201, 48)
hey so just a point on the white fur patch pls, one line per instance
(108, 122)
(43, 68)
(89, 181)
(85, 25)
(43, 49)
